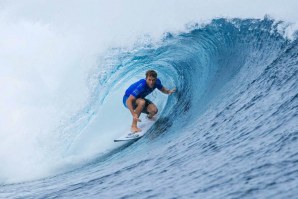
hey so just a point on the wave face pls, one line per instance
(230, 131)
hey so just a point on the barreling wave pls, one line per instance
(237, 99)
(199, 63)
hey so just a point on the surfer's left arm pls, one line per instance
(167, 91)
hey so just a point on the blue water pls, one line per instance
(230, 131)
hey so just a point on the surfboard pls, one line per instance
(144, 125)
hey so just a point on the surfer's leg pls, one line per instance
(140, 103)
(152, 110)
(140, 106)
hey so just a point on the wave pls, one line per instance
(208, 64)
(199, 63)
(234, 78)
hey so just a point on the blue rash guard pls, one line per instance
(140, 89)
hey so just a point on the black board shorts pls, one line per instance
(134, 104)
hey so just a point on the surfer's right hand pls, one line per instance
(136, 117)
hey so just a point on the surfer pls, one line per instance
(134, 98)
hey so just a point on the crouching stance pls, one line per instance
(134, 98)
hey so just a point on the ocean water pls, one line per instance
(230, 130)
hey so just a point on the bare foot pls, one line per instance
(135, 129)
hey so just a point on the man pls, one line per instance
(134, 98)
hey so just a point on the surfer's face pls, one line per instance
(150, 81)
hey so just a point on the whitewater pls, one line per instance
(230, 130)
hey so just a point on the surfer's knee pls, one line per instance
(141, 102)
(152, 109)
(153, 112)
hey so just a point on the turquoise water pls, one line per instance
(230, 130)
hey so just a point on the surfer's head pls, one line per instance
(151, 77)
(151, 73)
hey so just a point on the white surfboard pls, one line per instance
(144, 125)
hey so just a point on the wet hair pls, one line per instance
(151, 73)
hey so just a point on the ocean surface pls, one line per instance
(230, 130)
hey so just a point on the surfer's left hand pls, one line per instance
(172, 91)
